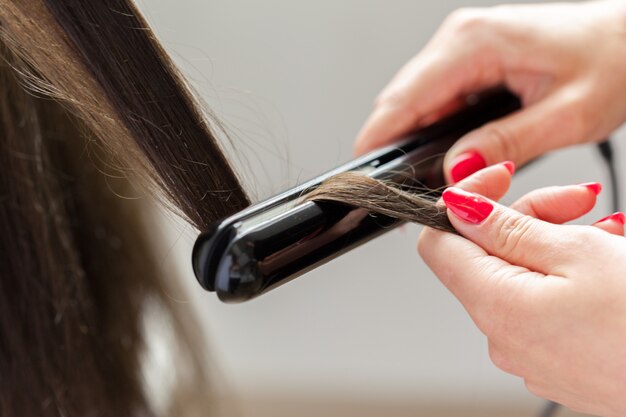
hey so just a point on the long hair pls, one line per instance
(91, 109)
(89, 105)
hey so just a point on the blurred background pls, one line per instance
(373, 333)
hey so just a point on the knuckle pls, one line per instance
(535, 389)
(428, 244)
(512, 232)
(578, 115)
(467, 19)
(397, 98)
(500, 360)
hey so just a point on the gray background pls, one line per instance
(293, 81)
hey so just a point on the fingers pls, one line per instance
(566, 203)
(432, 84)
(482, 283)
(546, 125)
(511, 236)
(502, 258)
(613, 224)
(492, 182)
(559, 204)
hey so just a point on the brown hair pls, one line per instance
(77, 270)
(359, 190)
(89, 105)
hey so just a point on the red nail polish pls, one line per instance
(466, 164)
(618, 217)
(469, 207)
(595, 187)
(510, 166)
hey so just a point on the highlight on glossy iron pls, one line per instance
(272, 242)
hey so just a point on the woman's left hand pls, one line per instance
(550, 298)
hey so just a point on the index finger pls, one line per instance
(429, 86)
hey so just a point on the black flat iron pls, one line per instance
(277, 240)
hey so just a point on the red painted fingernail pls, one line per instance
(466, 164)
(596, 187)
(510, 166)
(618, 217)
(469, 207)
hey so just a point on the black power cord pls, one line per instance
(549, 410)
(606, 152)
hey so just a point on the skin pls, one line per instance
(553, 315)
(570, 75)
(550, 297)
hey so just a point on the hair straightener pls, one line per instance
(277, 240)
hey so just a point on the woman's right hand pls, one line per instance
(567, 62)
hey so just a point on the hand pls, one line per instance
(550, 298)
(565, 61)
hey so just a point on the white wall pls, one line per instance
(294, 80)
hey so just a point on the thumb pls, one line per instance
(511, 236)
(549, 124)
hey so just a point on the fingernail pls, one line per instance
(510, 166)
(618, 217)
(471, 208)
(595, 187)
(466, 164)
